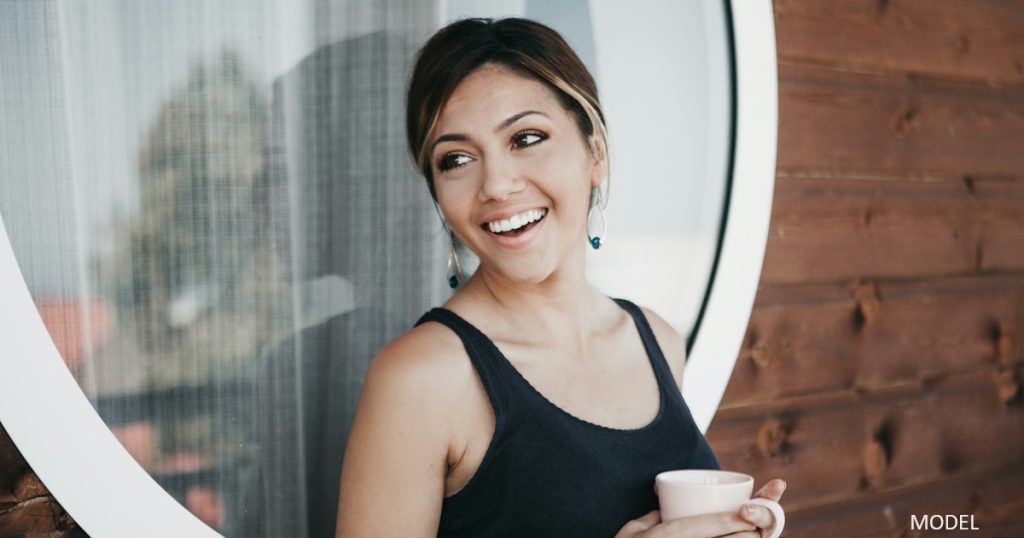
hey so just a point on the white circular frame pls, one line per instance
(734, 281)
(108, 494)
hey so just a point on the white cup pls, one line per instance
(692, 492)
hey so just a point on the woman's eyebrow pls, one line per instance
(516, 117)
(458, 137)
(454, 137)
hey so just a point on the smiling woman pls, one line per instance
(530, 404)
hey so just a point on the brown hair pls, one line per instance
(525, 46)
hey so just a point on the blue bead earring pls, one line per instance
(596, 219)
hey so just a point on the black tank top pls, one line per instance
(549, 473)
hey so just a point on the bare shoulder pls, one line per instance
(426, 378)
(396, 461)
(409, 383)
(671, 342)
(426, 361)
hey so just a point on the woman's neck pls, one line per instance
(562, 308)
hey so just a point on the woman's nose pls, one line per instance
(502, 179)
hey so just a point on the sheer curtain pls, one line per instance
(214, 210)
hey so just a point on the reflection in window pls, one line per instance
(218, 221)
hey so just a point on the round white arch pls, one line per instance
(102, 487)
(734, 285)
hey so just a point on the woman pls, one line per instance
(531, 404)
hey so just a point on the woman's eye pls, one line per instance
(452, 160)
(528, 138)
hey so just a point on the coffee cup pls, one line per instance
(692, 492)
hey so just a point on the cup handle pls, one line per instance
(777, 512)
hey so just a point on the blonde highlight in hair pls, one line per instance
(422, 157)
(599, 132)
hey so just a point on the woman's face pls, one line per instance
(513, 174)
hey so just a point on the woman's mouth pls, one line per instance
(516, 224)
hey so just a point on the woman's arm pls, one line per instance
(392, 480)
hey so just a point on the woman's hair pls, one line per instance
(522, 45)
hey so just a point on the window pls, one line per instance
(213, 209)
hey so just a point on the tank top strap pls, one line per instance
(485, 358)
(661, 368)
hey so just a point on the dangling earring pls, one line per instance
(593, 218)
(454, 269)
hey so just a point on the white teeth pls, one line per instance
(516, 221)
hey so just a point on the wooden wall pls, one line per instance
(882, 367)
(26, 507)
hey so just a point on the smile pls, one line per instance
(516, 224)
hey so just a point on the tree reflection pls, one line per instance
(195, 272)
(194, 276)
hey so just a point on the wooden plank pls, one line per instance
(839, 228)
(992, 496)
(830, 120)
(834, 447)
(13, 468)
(811, 339)
(32, 518)
(1001, 499)
(950, 38)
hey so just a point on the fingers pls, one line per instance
(757, 515)
(649, 520)
(748, 534)
(717, 524)
(772, 490)
(639, 525)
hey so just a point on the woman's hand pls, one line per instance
(744, 524)
(702, 526)
(760, 516)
